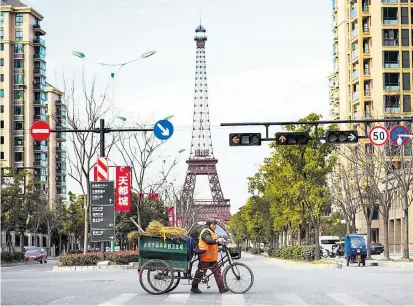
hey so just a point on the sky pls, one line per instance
(267, 60)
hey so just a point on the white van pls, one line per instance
(327, 242)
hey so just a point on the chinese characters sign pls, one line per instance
(171, 216)
(169, 246)
(123, 185)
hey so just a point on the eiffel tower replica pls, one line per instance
(202, 160)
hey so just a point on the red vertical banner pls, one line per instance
(95, 173)
(179, 221)
(171, 216)
(122, 192)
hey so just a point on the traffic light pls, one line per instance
(245, 139)
(291, 138)
(338, 137)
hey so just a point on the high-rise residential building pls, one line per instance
(372, 78)
(25, 97)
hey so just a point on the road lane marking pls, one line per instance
(290, 298)
(345, 298)
(233, 299)
(179, 298)
(64, 300)
(121, 299)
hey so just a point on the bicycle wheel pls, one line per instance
(175, 283)
(163, 277)
(233, 272)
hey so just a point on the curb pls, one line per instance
(302, 265)
(93, 268)
(16, 264)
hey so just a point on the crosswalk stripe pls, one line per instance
(179, 298)
(345, 298)
(233, 299)
(290, 298)
(120, 299)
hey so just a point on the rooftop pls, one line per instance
(14, 3)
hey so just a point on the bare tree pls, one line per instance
(84, 111)
(138, 150)
(52, 218)
(344, 196)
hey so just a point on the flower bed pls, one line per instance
(12, 257)
(92, 258)
(302, 253)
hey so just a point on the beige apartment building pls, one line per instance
(26, 97)
(372, 78)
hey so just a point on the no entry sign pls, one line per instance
(40, 130)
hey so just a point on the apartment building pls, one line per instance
(372, 78)
(26, 97)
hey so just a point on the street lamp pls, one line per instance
(82, 55)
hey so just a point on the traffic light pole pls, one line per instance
(102, 130)
(315, 124)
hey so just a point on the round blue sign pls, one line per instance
(163, 129)
(399, 130)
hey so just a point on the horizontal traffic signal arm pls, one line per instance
(315, 124)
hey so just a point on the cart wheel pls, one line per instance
(242, 276)
(175, 284)
(348, 261)
(159, 276)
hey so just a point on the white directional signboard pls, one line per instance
(379, 136)
(102, 212)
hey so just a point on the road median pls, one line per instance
(101, 266)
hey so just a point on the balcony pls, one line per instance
(390, 20)
(40, 163)
(367, 71)
(39, 87)
(366, 28)
(355, 54)
(61, 123)
(365, 8)
(356, 115)
(61, 112)
(39, 41)
(61, 136)
(367, 92)
(18, 132)
(354, 33)
(39, 103)
(389, 1)
(39, 117)
(356, 95)
(60, 147)
(19, 55)
(61, 171)
(391, 65)
(18, 71)
(391, 42)
(392, 86)
(355, 75)
(353, 12)
(38, 147)
(392, 109)
(37, 29)
(39, 72)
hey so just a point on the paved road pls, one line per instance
(274, 285)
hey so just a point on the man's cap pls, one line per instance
(212, 221)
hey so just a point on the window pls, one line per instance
(407, 105)
(406, 81)
(18, 94)
(19, 79)
(18, 64)
(1, 139)
(18, 110)
(18, 48)
(391, 59)
(405, 37)
(18, 125)
(405, 15)
(19, 34)
(390, 15)
(1, 33)
(405, 59)
(1, 93)
(1, 61)
(2, 124)
(18, 141)
(19, 19)
(391, 38)
(1, 47)
(2, 155)
(18, 156)
(1, 18)
(2, 77)
(1, 109)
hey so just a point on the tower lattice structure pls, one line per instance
(202, 160)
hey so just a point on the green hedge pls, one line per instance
(92, 258)
(306, 253)
(12, 257)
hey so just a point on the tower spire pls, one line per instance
(201, 160)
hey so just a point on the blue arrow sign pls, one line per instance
(163, 129)
(399, 130)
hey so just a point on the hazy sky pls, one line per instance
(267, 60)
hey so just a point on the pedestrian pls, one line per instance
(209, 241)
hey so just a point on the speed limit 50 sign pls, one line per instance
(379, 136)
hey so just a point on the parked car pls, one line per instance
(376, 248)
(36, 254)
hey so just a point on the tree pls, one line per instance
(138, 152)
(84, 114)
(74, 217)
(52, 218)
(332, 226)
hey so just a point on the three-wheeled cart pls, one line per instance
(163, 263)
(355, 249)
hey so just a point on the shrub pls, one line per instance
(306, 253)
(92, 258)
(122, 257)
(10, 257)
